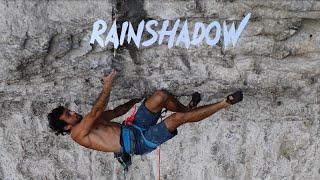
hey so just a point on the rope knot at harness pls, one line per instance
(129, 120)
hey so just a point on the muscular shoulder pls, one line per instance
(82, 128)
(82, 140)
(81, 135)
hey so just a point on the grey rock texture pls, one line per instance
(46, 60)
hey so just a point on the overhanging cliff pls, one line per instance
(46, 60)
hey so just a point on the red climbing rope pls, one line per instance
(159, 162)
(161, 117)
(130, 119)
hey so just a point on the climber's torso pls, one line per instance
(103, 136)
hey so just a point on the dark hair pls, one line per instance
(57, 124)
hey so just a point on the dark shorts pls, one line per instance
(156, 133)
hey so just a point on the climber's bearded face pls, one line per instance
(70, 117)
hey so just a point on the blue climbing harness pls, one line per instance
(126, 137)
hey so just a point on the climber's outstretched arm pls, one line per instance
(83, 129)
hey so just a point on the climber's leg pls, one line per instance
(200, 113)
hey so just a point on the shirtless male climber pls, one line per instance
(96, 131)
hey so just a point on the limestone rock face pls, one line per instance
(46, 60)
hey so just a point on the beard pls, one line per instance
(79, 118)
